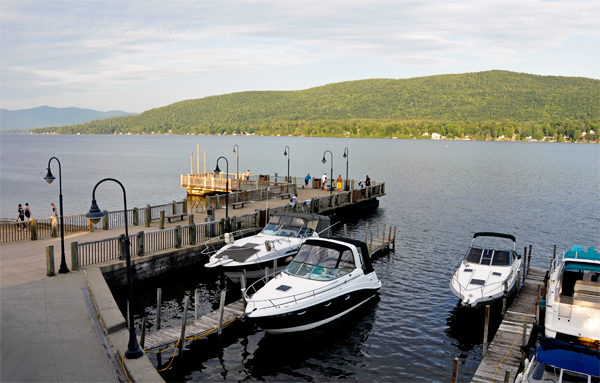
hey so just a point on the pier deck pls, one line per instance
(504, 352)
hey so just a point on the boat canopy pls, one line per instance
(570, 357)
(316, 222)
(578, 253)
(491, 234)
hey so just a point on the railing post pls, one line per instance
(140, 244)
(485, 328)
(135, 217)
(196, 303)
(105, 220)
(174, 207)
(54, 227)
(122, 246)
(33, 228)
(74, 256)
(161, 224)
(49, 261)
(192, 232)
(158, 307)
(178, 237)
(148, 215)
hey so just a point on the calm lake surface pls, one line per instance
(439, 194)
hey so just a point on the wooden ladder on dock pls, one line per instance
(504, 352)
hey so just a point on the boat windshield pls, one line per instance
(541, 372)
(489, 257)
(321, 263)
(286, 231)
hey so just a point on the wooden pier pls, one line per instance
(504, 352)
(195, 329)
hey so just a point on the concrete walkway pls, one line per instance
(46, 331)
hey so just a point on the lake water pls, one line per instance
(438, 194)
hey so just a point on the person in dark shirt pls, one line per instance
(368, 181)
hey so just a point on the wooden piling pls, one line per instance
(186, 302)
(485, 328)
(74, 256)
(389, 237)
(196, 303)
(161, 224)
(105, 223)
(371, 243)
(243, 287)
(33, 228)
(395, 238)
(529, 260)
(148, 216)
(136, 219)
(506, 376)
(266, 274)
(345, 231)
(50, 261)
(504, 296)
(455, 371)
(143, 335)
(158, 305)
(524, 264)
(221, 308)
(140, 244)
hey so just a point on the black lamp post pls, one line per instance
(237, 174)
(325, 161)
(285, 153)
(217, 172)
(346, 156)
(50, 178)
(95, 214)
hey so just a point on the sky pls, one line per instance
(138, 55)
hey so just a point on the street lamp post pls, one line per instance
(217, 172)
(50, 178)
(325, 161)
(237, 173)
(285, 153)
(346, 156)
(95, 214)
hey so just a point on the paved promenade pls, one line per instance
(46, 331)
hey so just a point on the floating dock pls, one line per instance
(504, 352)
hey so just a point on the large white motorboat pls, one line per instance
(327, 279)
(556, 361)
(485, 273)
(573, 297)
(277, 243)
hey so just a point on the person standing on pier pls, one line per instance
(248, 174)
(21, 217)
(368, 181)
(339, 183)
(306, 179)
(53, 210)
(27, 211)
(324, 180)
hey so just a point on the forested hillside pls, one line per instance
(485, 104)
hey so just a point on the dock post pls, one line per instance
(518, 282)
(122, 249)
(243, 287)
(221, 309)
(196, 303)
(345, 231)
(395, 237)
(161, 224)
(148, 215)
(141, 244)
(504, 298)
(192, 231)
(506, 376)
(74, 256)
(274, 267)
(178, 237)
(389, 237)
(33, 229)
(455, 371)
(158, 304)
(524, 342)
(377, 236)
(524, 264)
(50, 260)
(143, 335)
(383, 239)
(266, 274)
(537, 305)
(485, 328)
(186, 302)
(136, 219)
(529, 260)
(105, 220)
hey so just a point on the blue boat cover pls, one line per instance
(578, 253)
(570, 357)
(577, 266)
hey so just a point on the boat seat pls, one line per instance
(587, 294)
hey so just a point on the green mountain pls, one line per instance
(479, 104)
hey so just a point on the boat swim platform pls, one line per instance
(208, 324)
(504, 352)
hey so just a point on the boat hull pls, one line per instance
(318, 314)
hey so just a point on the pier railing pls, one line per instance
(141, 243)
(50, 227)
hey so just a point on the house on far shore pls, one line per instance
(435, 136)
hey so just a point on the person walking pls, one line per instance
(21, 217)
(306, 179)
(339, 183)
(27, 211)
(324, 181)
(53, 210)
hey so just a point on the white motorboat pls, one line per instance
(573, 297)
(276, 245)
(327, 279)
(485, 273)
(560, 362)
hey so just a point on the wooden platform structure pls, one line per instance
(195, 329)
(504, 352)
